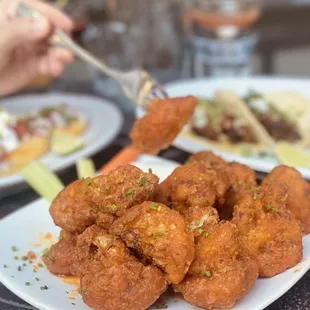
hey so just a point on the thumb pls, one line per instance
(24, 30)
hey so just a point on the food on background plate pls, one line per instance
(133, 246)
(28, 137)
(283, 115)
(228, 126)
(163, 121)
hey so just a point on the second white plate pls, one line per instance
(202, 88)
(104, 123)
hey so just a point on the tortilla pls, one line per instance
(296, 109)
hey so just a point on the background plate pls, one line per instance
(104, 123)
(34, 222)
(207, 87)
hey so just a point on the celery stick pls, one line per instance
(42, 180)
(85, 168)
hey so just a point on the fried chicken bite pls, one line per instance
(191, 186)
(200, 219)
(241, 179)
(207, 157)
(112, 278)
(58, 257)
(161, 124)
(268, 229)
(222, 272)
(160, 235)
(102, 199)
(298, 199)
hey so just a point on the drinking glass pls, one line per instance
(219, 40)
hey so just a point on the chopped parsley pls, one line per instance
(249, 187)
(24, 258)
(161, 306)
(129, 192)
(257, 189)
(83, 291)
(5, 266)
(255, 196)
(85, 191)
(14, 248)
(200, 231)
(207, 274)
(16, 257)
(37, 279)
(142, 181)
(27, 283)
(41, 265)
(206, 235)
(273, 210)
(107, 187)
(19, 268)
(154, 206)
(24, 265)
(197, 223)
(158, 234)
(114, 207)
(73, 304)
(175, 178)
(240, 182)
(34, 270)
(87, 182)
(268, 207)
(44, 288)
(150, 170)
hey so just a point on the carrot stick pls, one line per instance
(125, 156)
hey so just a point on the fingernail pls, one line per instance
(40, 26)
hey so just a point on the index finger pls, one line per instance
(56, 17)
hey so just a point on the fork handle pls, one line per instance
(60, 38)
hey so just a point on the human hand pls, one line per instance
(24, 49)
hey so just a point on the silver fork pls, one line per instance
(138, 85)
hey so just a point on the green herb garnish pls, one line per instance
(197, 223)
(27, 283)
(206, 235)
(142, 181)
(5, 266)
(200, 230)
(154, 206)
(207, 274)
(114, 207)
(85, 191)
(41, 265)
(37, 279)
(150, 170)
(14, 248)
(255, 196)
(107, 187)
(158, 234)
(44, 288)
(19, 268)
(87, 182)
(129, 192)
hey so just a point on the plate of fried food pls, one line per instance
(261, 122)
(155, 235)
(57, 128)
(203, 235)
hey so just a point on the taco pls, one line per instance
(226, 124)
(285, 116)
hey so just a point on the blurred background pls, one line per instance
(180, 39)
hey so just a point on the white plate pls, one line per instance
(28, 225)
(104, 123)
(207, 87)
